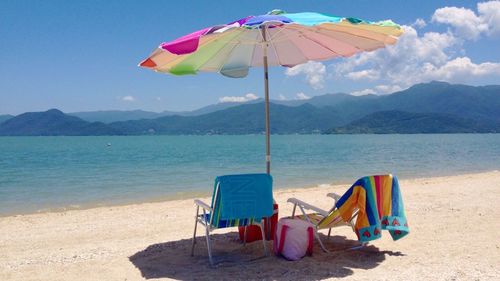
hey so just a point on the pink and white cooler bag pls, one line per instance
(293, 239)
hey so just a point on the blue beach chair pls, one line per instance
(237, 200)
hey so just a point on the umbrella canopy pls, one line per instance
(277, 38)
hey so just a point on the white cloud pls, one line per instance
(128, 98)
(282, 97)
(401, 62)
(460, 69)
(419, 23)
(363, 92)
(302, 96)
(414, 59)
(387, 89)
(490, 14)
(464, 21)
(469, 25)
(245, 98)
(380, 89)
(315, 73)
(418, 56)
(369, 74)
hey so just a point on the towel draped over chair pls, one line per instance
(380, 205)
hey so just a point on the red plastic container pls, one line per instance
(253, 231)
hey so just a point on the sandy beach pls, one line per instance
(454, 223)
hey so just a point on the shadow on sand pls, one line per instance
(234, 262)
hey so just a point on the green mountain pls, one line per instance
(216, 107)
(434, 107)
(400, 122)
(463, 108)
(109, 116)
(52, 123)
(243, 119)
(332, 100)
(472, 102)
(5, 118)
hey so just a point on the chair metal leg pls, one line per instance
(268, 225)
(209, 247)
(194, 233)
(363, 244)
(315, 231)
(263, 238)
(245, 236)
(320, 242)
(351, 224)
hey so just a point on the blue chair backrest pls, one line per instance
(241, 199)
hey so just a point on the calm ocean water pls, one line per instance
(42, 173)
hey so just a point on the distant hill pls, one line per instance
(476, 102)
(326, 100)
(109, 116)
(436, 97)
(434, 107)
(400, 122)
(243, 119)
(460, 105)
(482, 102)
(216, 107)
(5, 118)
(52, 123)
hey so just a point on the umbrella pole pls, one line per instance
(266, 91)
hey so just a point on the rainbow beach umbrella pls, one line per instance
(277, 38)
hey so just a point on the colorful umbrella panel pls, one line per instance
(287, 39)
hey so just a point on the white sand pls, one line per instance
(454, 223)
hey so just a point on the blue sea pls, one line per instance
(57, 173)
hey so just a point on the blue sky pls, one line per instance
(83, 55)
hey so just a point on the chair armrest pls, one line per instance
(307, 206)
(200, 203)
(334, 196)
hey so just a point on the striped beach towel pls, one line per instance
(380, 205)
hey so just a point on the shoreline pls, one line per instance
(201, 194)
(453, 236)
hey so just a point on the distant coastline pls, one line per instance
(207, 193)
(435, 107)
